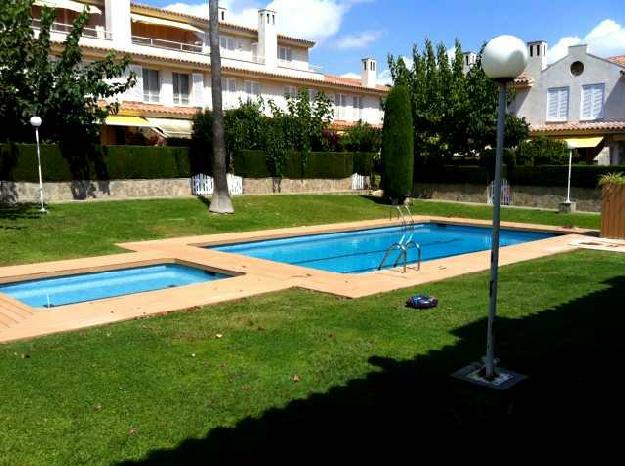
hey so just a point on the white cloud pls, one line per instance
(358, 41)
(605, 39)
(311, 19)
(351, 75)
(385, 78)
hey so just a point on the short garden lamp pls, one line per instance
(36, 123)
(503, 59)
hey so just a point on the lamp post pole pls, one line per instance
(568, 189)
(503, 59)
(36, 123)
(489, 360)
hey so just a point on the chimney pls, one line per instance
(222, 14)
(268, 37)
(118, 24)
(537, 58)
(468, 61)
(369, 72)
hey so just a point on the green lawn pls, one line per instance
(84, 229)
(297, 375)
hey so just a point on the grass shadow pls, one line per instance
(409, 408)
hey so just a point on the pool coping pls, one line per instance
(251, 276)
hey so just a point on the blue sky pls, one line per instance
(347, 30)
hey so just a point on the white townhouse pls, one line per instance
(170, 54)
(579, 98)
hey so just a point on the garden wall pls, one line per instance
(526, 196)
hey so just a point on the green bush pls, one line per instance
(542, 151)
(397, 144)
(453, 174)
(143, 162)
(18, 162)
(327, 165)
(363, 163)
(362, 137)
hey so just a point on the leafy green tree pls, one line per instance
(397, 145)
(73, 97)
(362, 137)
(543, 151)
(454, 113)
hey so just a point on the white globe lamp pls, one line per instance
(504, 58)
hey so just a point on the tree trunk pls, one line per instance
(220, 202)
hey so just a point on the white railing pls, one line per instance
(506, 193)
(203, 185)
(98, 32)
(168, 44)
(360, 182)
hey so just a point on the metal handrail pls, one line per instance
(403, 248)
(167, 44)
(63, 28)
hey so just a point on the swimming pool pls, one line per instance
(78, 288)
(362, 251)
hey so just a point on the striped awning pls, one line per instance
(137, 18)
(173, 128)
(69, 5)
(128, 121)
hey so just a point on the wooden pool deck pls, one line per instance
(250, 276)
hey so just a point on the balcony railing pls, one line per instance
(98, 32)
(168, 44)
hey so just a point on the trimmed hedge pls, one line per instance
(582, 176)
(18, 162)
(324, 165)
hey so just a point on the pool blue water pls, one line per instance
(71, 289)
(362, 251)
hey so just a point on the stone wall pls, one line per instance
(528, 196)
(11, 192)
(276, 185)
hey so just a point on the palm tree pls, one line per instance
(220, 202)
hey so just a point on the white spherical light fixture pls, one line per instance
(504, 58)
(36, 121)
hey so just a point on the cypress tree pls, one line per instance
(397, 145)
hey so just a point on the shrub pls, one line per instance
(397, 145)
(542, 151)
(612, 179)
(362, 137)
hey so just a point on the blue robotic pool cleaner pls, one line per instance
(422, 302)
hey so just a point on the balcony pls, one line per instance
(98, 32)
(169, 44)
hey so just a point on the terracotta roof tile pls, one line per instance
(353, 82)
(579, 127)
(619, 60)
(142, 109)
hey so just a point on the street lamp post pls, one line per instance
(503, 59)
(36, 123)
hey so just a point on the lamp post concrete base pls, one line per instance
(475, 374)
(569, 207)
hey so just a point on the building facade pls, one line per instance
(170, 55)
(579, 98)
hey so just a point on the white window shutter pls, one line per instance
(552, 104)
(563, 102)
(586, 102)
(597, 101)
(136, 92)
(197, 90)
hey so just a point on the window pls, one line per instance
(181, 88)
(228, 43)
(558, 104)
(592, 101)
(285, 53)
(357, 104)
(252, 89)
(577, 68)
(290, 92)
(340, 104)
(151, 86)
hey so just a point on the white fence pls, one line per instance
(506, 193)
(359, 182)
(202, 185)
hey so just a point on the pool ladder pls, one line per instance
(406, 242)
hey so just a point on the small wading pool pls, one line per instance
(362, 251)
(71, 289)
